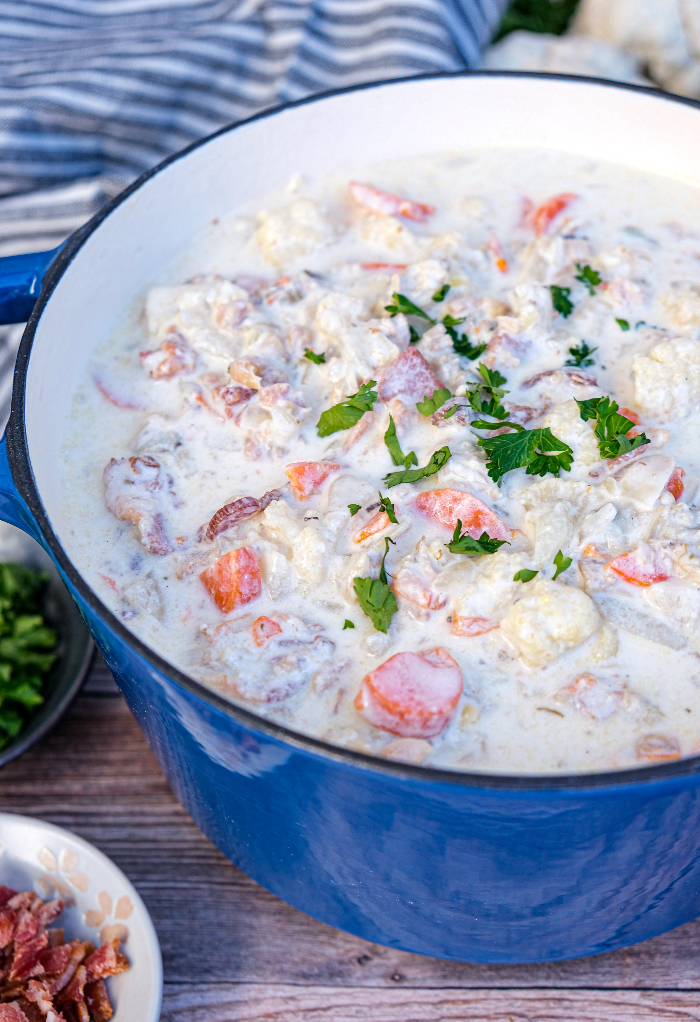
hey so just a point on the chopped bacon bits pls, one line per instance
(232, 396)
(641, 567)
(97, 1001)
(386, 204)
(263, 629)
(132, 490)
(411, 694)
(307, 477)
(174, 356)
(408, 377)
(450, 506)
(471, 625)
(234, 579)
(543, 216)
(12, 1013)
(238, 511)
(675, 485)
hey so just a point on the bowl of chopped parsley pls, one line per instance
(45, 647)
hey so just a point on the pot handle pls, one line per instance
(21, 277)
(13, 509)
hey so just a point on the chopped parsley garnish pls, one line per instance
(524, 575)
(622, 323)
(412, 475)
(560, 300)
(376, 598)
(313, 357)
(441, 292)
(484, 396)
(406, 306)
(354, 508)
(414, 335)
(589, 277)
(348, 412)
(394, 447)
(462, 345)
(536, 450)
(580, 356)
(388, 509)
(466, 545)
(431, 404)
(611, 428)
(561, 563)
(348, 624)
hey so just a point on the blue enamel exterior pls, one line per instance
(20, 283)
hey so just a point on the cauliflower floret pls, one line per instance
(549, 619)
(554, 530)
(682, 302)
(667, 380)
(366, 346)
(545, 259)
(423, 279)
(388, 232)
(492, 590)
(532, 308)
(678, 601)
(467, 471)
(567, 425)
(207, 315)
(310, 556)
(293, 231)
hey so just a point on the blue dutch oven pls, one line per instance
(462, 866)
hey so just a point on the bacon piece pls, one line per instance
(22, 900)
(386, 204)
(499, 258)
(172, 357)
(232, 396)
(307, 477)
(263, 629)
(78, 952)
(38, 993)
(658, 748)
(55, 959)
(450, 506)
(409, 377)
(238, 511)
(411, 694)
(551, 208)
(675, 484)
(575, 376)
(410, 586)
(8, 921)
(523, 414)
(254, 374)
(49, 911)
(384, 266)
(27, 927)
(471, 625)
(375, 525)
(26, 961)
(97, 1000)
(504, 349)
(73, 991)
(12, 1013)
(641, 567)
(234, 580)
(632, 416)
(5, 894)
(131, 485)
(107, 960)
(33, 1011)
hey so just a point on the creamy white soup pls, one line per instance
(407, 460)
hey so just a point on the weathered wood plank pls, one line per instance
(248, 1002)
(95, 775)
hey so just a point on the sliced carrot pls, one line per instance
(591, 550)
(307, 477)
(551, 208)
(386, 204)
(263, 629)
(234, 580)
(472, 625)
(499, 258)
(375, 525)
(675, 484)
(640, 567)
(450, 506)
(657, 748)
(383, 266)
(632, 416)
(411, 694)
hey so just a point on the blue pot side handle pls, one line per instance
(21, 277)
(13, 509)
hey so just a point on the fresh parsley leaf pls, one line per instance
(462, 345)
(466, 545)
(431, 404)
(375, 597)
(580, 356)
(394, 447)
(484, 396)
(406, 306)
(560, 300)
(561, 563)
(388, 509)
(611, 428)
(312, 357)
(589, 277)
(536, 450)
(414, 335)
(441, 292)
(348, 624)
(622, 323)
(348, 412)
(524, 575)
(354, 508)
(412, 475)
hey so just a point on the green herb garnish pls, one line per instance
(431, 404)
(622, 323)
(538, 451)
(388, 509)
(412, 475)
(611, 428)
(348, 412)
(467, 545)
(484, 396)
(589, 277)
(312, 357)
(524, 575)
(414, 335)
(376, 598)
(406, 306)
(348, 624)
(462, 345)
(439, 295)
(354, 508)
(394, 447)
(560, 300)
(580, 356)
(561, 563)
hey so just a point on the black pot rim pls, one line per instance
(23, 476)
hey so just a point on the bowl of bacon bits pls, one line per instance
(76, 941)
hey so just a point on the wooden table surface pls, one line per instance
(234, 953)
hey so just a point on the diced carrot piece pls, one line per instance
(591, 550)
(641, 567)
(450, 506)
(472, 625)
(544, 214)
(408, 377)
(375, 525)
(411, 694)
(675, 484)
(234, 579)
(383, 266)
(307, 477)
(263, 629)
(658, 748)
(632, 416)
(386, 204)
(499, 258)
